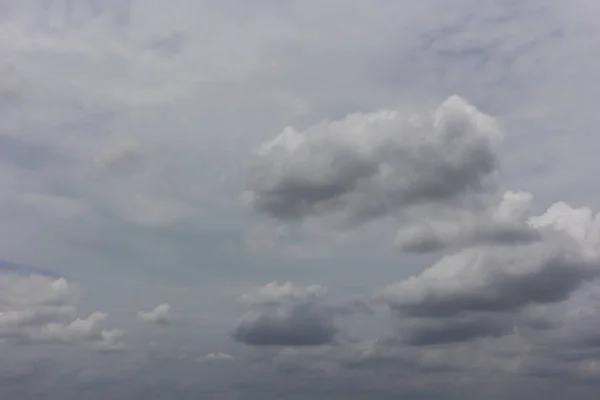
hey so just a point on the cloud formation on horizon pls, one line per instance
(38, 309)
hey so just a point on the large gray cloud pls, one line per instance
(482, 291)
(286, 315)
(435, 173)
(369, 165)
(302, 325)
(289, 315)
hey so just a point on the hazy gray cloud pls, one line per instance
(457, 329)
(120, 155)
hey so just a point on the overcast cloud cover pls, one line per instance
(316, 199)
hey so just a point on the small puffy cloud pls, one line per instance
(369, 165)
(218, 356)
(274, 293)
(42, 309)
(88, 329)
(160, 315)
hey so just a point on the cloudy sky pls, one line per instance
(313, 199)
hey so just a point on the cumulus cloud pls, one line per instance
(160, 315)
(436, 173)
(509, 282)
(506, 297)
(289, 315)
(88, 329)
(41, 309)
(369, 165)
(491, 285)
(302, 325)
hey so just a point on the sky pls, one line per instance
(289, 200)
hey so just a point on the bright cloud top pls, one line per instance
(370, 165)
(160, 315)
(274, 293)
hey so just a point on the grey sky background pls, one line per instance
(313, 199)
